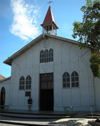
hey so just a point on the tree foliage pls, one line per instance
(88, 32)
(95, 65)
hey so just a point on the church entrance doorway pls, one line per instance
(3, 96)
(46, 92)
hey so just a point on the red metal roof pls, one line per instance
(49, 18)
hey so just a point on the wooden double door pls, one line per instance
(46, 92)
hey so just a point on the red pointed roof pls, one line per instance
(49, 18)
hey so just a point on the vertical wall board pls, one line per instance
(57, 54)
(35, 86)
(57, 85)
(21, 98)
(66, 97)
(76, 48)
(29, 59)
(15, 97)
(66, 68)
(46, 68)
(84, 96)
(75, 97)
(86, 53)
(65, 55)
(36, 56)
(97, 93)
(73, 56)
(74, 67)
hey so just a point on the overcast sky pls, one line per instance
(20, 23)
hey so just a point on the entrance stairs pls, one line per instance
(36, 114)
(19, 117)
(48, 118)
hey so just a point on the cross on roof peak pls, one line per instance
(50, 2)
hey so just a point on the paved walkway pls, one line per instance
(60, 122)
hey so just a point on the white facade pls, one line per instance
(97, 93)
(6, 84)
(67, 57)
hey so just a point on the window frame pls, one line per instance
(28, 82)
(22, 83)
(50, 55)
(42, 56)
(74, 79)
(66, 80)
(46, 56)
(27, 93)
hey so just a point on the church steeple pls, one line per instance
(49, 24)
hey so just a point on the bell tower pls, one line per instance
(49, 25)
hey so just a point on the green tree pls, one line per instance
(88, 31)
(95, 64)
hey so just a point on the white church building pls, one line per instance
(53, 71)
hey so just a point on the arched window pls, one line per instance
(46, 56)
(28, 82)
(22, 83)
(42, 56)
(75, 79)
(50, 55)
(66, 80)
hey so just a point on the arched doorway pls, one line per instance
(3, 96)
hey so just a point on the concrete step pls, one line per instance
(93, 115)
(31, 123)
(90, 117)
(32, 116)
(37, 113)
(40, 113)
(80, 115)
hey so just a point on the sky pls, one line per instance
(20, 23)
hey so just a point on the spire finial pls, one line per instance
(49, 24)
(50, 2)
